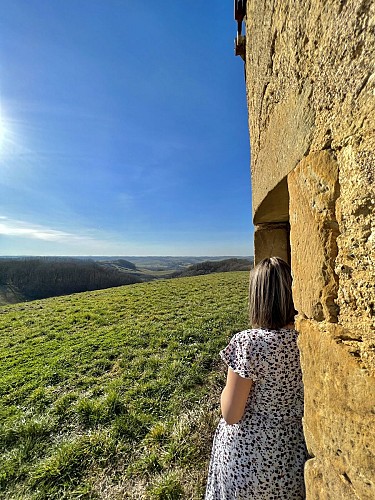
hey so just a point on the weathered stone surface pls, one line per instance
(313, 190)
(285, 142)
(310, 80)
(322, 483)
(355, 264)
(275, 207)
(339, 413)
(310, 89)
(271, 240)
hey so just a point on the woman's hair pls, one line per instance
(270, 294)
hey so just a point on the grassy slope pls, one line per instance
(114, 393)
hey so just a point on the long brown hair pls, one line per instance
(270, 294)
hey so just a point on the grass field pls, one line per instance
(114, 394)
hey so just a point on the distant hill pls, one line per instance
(222, 266)
(10, 295)
(163, 263)
(121, 263)
(41, 277)
(30, 278)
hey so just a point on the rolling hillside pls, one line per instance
(114, 393)
(23, 279)
(222, 266)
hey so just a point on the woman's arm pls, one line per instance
(234, 397)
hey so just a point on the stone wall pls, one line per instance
(310, 90)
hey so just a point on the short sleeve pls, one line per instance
(241, 355)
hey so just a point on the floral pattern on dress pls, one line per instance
(262, 456)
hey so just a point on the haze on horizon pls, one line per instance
(123, 130)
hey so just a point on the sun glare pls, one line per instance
(9, 140)
(4, 131)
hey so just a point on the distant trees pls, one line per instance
(220, 266)
(41, 277)
(119, 263)
(33, 278)
(126, 264)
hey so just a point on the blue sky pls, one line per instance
(123, 129)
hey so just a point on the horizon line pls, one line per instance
(123, 256)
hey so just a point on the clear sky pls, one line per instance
(123, 129)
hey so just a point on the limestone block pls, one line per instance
(275, 207)
(271, 240)
(310, 82)
(339, 416)
(310, 89)
(313, 189)
(355, 263)
(284, 142)
(323, 484)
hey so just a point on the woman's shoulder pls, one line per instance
(254, 334)
(250, 334)
(244, 334)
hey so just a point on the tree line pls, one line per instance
(220, 266)
(42, 277)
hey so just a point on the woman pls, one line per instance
(259, 449)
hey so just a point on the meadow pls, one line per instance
(114, 394)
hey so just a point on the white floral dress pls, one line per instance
(263, 455)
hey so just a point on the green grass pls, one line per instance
(114, 393)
